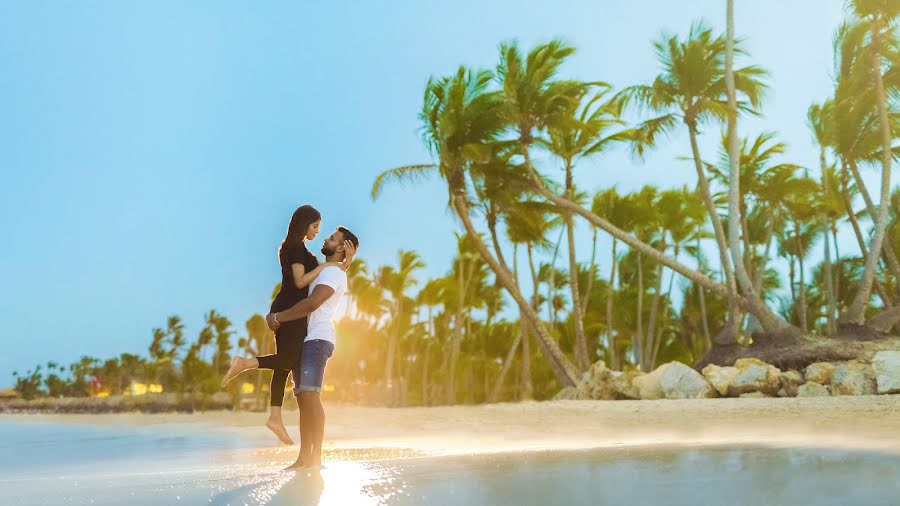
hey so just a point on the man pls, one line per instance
(321, 306)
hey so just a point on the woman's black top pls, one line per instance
(289, 294)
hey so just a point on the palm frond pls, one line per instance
(406, 173)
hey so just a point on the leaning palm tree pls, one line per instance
(462, 120)
(534, 97)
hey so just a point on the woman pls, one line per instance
(299, 268)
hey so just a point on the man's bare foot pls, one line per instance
(238, 365)
(277, 428)
(296, 466)
(315, 462)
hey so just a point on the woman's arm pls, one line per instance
(302, 278)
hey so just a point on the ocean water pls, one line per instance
(56, 463)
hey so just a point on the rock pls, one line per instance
(583, 389)
(679, 381)
(790, 381)
(820, 372)
(886, 366)
(600, 382)
(648, 384)
(596, 383)
(853, 378)
(755, 376)
(812, 389)
(566, 394)
(720, 377)
(623, 384)
(598, 368)
(754, 395)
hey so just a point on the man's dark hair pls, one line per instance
(349, 236)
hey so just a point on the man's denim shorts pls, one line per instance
(312, 366)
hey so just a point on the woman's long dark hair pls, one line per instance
(303, 217)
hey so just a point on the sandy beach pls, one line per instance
(365, 433)
(835, 450)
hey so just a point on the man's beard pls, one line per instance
(327, 252)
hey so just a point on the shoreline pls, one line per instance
(869, 423)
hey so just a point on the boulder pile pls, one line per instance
(748, 377)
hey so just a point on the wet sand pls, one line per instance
(368, 433)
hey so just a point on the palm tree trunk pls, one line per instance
(801, 287)
(829, 276)
(758, 276)
(592, 273)
(733, 305)
(610, 324)
(536, 306)
(769, 320)
(837, 263)
(567, 374)
(425, 372)
(389, 364)
(829, 288)
(665, 315)
(704, 317)
(527, 390)
(649, 343)
(856, 313)
(791, 276)
(638, 338)
(495, 392)
(857, 231)
(581, 356)
(551, 283)
(510, 356)
(628, 239)
(457, 338)
(887, 250)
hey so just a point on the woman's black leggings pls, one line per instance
(288, 347)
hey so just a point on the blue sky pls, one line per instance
(151, 153)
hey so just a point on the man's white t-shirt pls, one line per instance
(321, 321)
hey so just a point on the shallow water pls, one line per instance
(50, 463)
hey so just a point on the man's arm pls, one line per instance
(302, 308)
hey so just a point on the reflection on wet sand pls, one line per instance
(610, 476)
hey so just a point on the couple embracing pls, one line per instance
(302, 317)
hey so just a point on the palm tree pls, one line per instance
(527, 224)
(396, 282)
(609, 203)
(877, 19)
(467, 273)
(461, 121)
(681, 217)
(693, 88)
(829, 205)
(430, 296)
(534, 99)
(576, 132)
(258, 341)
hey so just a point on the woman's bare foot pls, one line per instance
(238, 365)
(277, 428)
